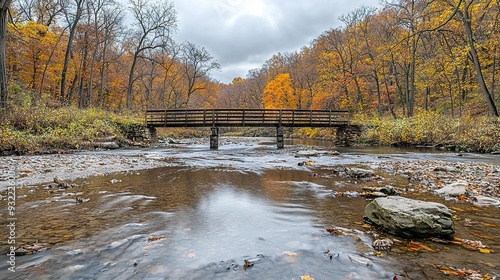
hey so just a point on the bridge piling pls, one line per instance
(214, 138)
(279, 137)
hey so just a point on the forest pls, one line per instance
(403, 59)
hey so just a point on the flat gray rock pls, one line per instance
(359, 172)
(411, 218)
(454, 189)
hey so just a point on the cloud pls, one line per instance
(242, 34)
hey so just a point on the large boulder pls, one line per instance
(409, 217)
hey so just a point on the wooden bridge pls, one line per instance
(216, 118)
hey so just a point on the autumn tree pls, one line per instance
(279, 93)
(155, 23)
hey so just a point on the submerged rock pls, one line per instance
(308, 153)
(481, 200)
(359, 172)
(409, 217)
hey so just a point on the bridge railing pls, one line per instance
(246, 117)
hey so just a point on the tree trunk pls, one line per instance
(68, 52)
(477, 64)
(4, 7)
(426, 97)
(66, 62)
(128, 103)
(103, 66)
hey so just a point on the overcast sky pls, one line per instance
(242, 34)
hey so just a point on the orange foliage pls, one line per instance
(279, 93)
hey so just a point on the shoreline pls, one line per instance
(39, 169)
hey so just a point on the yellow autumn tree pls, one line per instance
(279, 93)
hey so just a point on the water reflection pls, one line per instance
(202, 220)
(207, 223)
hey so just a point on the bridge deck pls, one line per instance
(246, 117)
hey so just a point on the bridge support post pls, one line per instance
(279, 137)
(342, 136)
(153, 133)
(347, 134)
(214, 138)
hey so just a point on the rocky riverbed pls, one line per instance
(297, 206)
(477, 181)
(31, 170)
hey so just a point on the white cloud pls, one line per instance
(243, 34)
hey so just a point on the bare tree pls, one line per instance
(41, 11)
(4, 8)
(155, 24)
(72, 18)
(112, 17)
(197, 63)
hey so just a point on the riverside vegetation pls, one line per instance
(46, 128)
(42, 128)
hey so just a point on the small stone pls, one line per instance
(455, 189)
(359, 172)
(375, 194)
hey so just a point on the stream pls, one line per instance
(245, 211)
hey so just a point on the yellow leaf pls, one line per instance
(484, 251)
(487, 224)
(429, 249)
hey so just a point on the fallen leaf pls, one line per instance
(487, 264)
(192, 254)
(247, 264)
(306, 277)
(414, 246)
(488, 224)
(438, 240)
(484, 251)
(336, 231)
(481, 235)
(456, 209)
(449, 272)
(429, 249)
(153, 238)
(288, 253)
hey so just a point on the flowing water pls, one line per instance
(209, 212)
